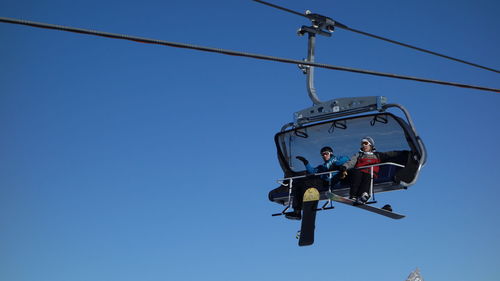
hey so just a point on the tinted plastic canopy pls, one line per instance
(390, 133)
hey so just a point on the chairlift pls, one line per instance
(341, 123)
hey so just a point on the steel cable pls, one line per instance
(236, 53)
(418, 49)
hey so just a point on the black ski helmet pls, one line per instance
(327, 148)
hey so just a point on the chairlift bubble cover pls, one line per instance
(390, 132)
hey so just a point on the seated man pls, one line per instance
(359, 179)
(330, 163)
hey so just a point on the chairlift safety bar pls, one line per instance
(280, 181)
(290, 185)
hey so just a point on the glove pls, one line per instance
(304, 160)
(342, 172)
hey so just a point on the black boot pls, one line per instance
(387, 208)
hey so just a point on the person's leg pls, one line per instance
(301, 185)
(364, 187)
(298, 190)
(354, 180)
(297, 193)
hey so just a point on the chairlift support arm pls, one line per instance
(320, 25)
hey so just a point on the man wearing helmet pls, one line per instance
(359, 179)
(330, 163)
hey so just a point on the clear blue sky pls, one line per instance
(126, 161)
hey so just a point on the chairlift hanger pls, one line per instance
(324, 26)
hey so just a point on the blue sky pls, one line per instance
(125, 161)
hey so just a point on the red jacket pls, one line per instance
(364, 159)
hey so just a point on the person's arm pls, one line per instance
(391, 156)
(351, 162)
(341, 160)
(308, 166)
(310, 169)
(336, 162)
